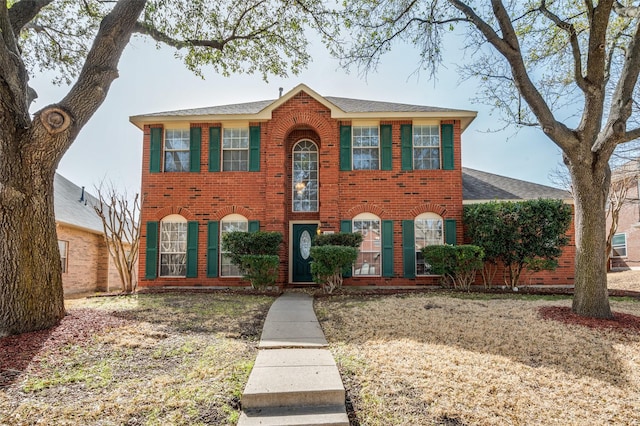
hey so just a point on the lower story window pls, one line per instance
(63, 246)
(173, 246)
(231, 223)
(428, 231)
(368, 262)
(619, 245)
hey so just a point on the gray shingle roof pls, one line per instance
(70, 210)
(482, 186)
(240, 109)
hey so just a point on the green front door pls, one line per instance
(301, 239)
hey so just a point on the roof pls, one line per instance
(70, 210)
(341, 108)
(478, 186)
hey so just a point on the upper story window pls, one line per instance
(428, 231)
(231, 223)
(173, 246)
(176, 150)
(235, 149)
(366, 148)
(426, 147)
(305, 177)
(369, 255)
(619, 245)
(63, 246)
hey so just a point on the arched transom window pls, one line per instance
(231, 223)
(173, 246)
(369, 257)
(305, 177)
(428, 231)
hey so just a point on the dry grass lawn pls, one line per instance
(480, 360)
(624, 280)
(172, 359)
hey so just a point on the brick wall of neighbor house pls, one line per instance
(265, 196)
(87, 261)
(629, 224)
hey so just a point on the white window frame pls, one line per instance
(233, 141)
(173, 247)
(176, 135)
(306, 184)
(617, 247)
(63, 247)
(369, 262)
(423, 217)
(356, 133)
(425, 141)
(235, 219)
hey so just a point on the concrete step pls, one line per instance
(295, 416)
(293, 377)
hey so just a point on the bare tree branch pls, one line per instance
(626, 11)
(24, 11)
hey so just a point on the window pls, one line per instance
(305, 177)
(428, 231)
(366, 153)
(63, 246)
(368, 262)
(173, 246)
(231, 223)
(426, 147)
(235, 149)
(176, 150)
(619, 245)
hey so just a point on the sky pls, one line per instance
(109, 148)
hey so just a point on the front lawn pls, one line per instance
(432, 359)
(151, 359)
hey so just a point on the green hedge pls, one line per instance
(329, 263)
(457, 264)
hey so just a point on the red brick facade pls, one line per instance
(629, 226)
(265, 196)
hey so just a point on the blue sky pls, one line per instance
(152, 80)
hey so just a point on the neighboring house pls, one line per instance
(301, 164)
(625, 250)
(86, 264)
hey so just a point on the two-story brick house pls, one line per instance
(300, 165)
(625, 250)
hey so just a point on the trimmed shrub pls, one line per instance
(348, 239)
(457, 264)
(260, 269)
(256, 254)
(329, 263)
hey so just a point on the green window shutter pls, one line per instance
(387, 248)
(254, 148)
(345, 147)
(408, 249)
(447, 146)
(385, 147)
(151, 266)
(212, 248)
(345, 226)
(155, 150)
(406, 141)
(194, 149)
(214, 149)
(450, 231)
(254, 225)
(192, 249)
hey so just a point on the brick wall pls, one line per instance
(628, 223)
(87, 261)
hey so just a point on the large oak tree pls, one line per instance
(82, 40)
(536, 61)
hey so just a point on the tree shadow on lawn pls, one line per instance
(510, 329)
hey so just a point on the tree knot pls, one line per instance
(55, 120)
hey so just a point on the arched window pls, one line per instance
(173, 246)
(305, 177)
(428, 231)
(231, 223)
(369, 258)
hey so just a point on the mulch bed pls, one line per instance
(620, 322)
(17, 352)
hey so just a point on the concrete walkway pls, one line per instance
(295, 380)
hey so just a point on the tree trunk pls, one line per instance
(590, 189)
(31, 296)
